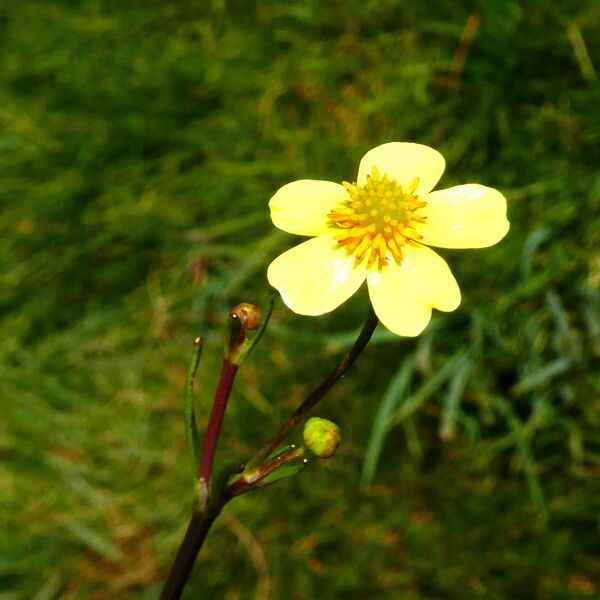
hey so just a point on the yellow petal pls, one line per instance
(403, 295)
(316, 276)
(464, 216)
(404, 162)
(301, 207)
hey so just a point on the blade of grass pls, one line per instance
(93, 540)
(591, 317)
(533, 242)
(51, 589)
(527, 459)
(227, 228)
(393, 395)
(542, 376)
(431, 385)
(412, 439)
(451, 401)
(565, 338)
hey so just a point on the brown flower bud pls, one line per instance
(248, 315)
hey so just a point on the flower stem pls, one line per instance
(205, 510)
(310, 401)
(195, 535)
(213, 429)
(206, 513)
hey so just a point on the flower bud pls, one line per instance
(248, 315)
(243, 317)
(322, 436)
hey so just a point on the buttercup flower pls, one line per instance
(379, 229)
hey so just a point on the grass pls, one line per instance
(139, 143)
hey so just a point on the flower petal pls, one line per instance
(301, 207)
(316, 276)
(403, 295)
(464, 216)
(404, 162)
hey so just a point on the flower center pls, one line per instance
(377, 220)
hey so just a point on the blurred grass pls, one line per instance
(139, 143)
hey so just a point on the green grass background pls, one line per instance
(140, 142)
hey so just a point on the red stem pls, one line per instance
(215, 421)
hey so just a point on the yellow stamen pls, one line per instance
(378, 219)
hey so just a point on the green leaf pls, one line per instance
(288, 470)
(189, 406)
(431, 385)
(451, 401)
(393, 395)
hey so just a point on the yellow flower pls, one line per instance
(378, 229)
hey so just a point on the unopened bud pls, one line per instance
(248, 315)
(243, 317)
(322, 436)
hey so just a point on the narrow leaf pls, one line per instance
(451, 402)
(431, 385)
(394, 393)
(189, 406)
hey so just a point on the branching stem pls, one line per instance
(311, 401)
(208, 509)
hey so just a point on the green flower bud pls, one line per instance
(322, 436)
